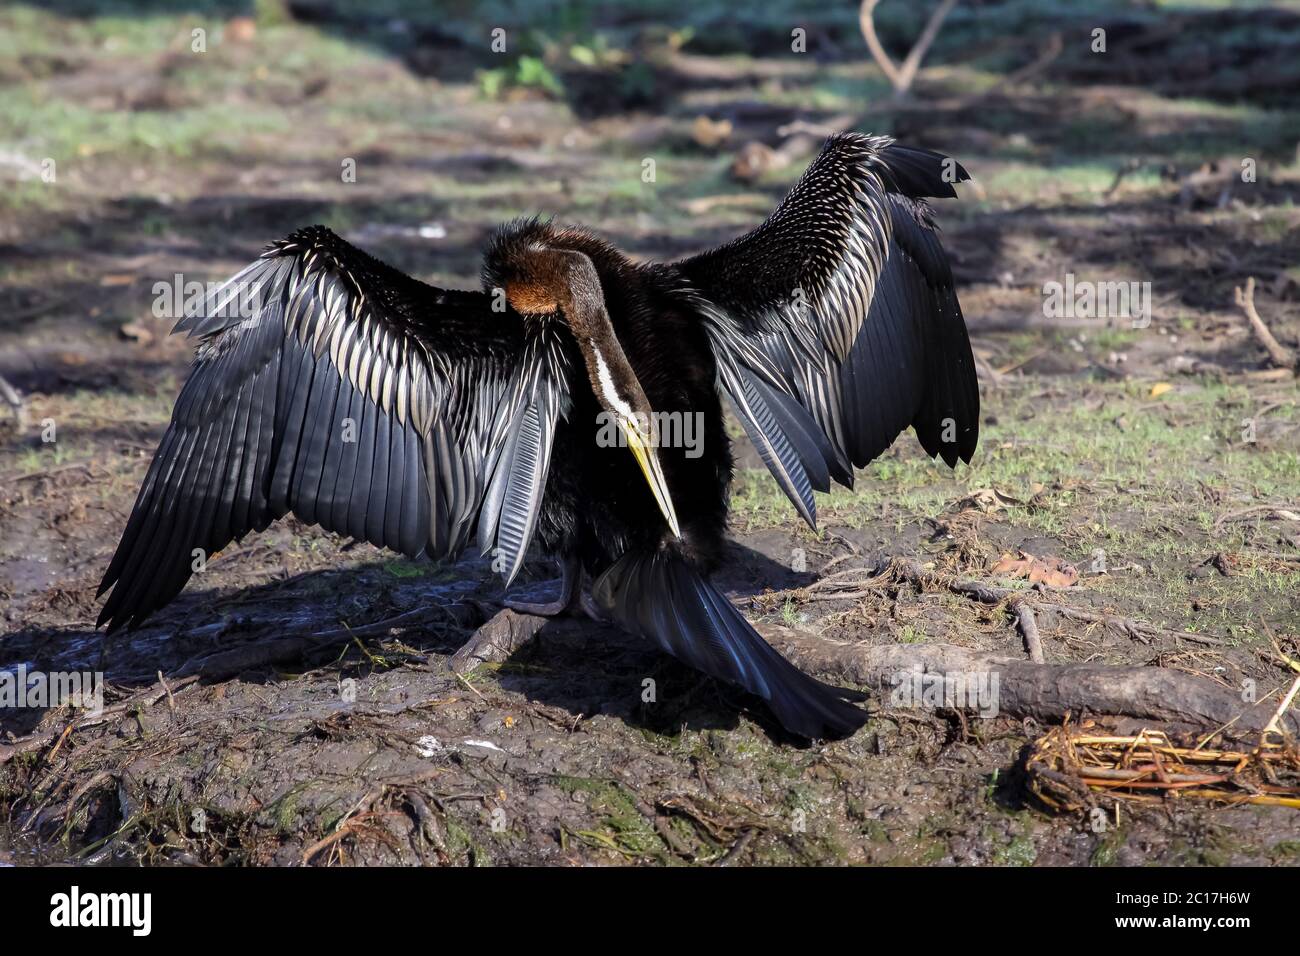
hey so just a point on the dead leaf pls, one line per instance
(241, 29)
(136, 332)
(1048, 570)
(710, 133)
(755, 160)
(706, 204)
(987, 500)
(1159, 388)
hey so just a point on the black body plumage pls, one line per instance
(422, 420)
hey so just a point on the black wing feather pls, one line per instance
(662, 598)
(840, 311)
(355, 397)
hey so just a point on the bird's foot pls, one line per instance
(591, 608)
(570, 574)
(546, 609)
(495, 641)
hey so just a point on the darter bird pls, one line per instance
(423, 420)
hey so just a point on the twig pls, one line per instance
(657, 820)
(468, 686)
(989, 594)
(1274, 726)
(901, 77)
(739, 847)
(836, 588)
(1280, 355)
(1278, 511)
(14, 401)
(1029, 629)
(171, 700)
(1065, 767)
(46, 472)
(988, 375)
(354, 826)
(144, 698)
(1131, 165)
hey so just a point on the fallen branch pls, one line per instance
(1279, 354)
(1029, 630)
(1136, 630)
(1281, 512)
(1050, 692)
(496, 640)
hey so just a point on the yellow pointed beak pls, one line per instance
(643, 448)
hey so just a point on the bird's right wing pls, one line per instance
(332, 386)
(835, 324)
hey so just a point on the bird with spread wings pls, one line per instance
(333, 387)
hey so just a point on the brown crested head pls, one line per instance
(525, 259)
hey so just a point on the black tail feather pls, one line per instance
(922, 173)
(661, 597)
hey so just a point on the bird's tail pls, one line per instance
(661, 597)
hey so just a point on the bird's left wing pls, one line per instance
(835, 324)
(332, 386)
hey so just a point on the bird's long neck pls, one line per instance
(613, 380)
(568, 280)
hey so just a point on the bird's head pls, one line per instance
(540, 277)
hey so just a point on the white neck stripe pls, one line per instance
(616, 401)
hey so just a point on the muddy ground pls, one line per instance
(1162, 462)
